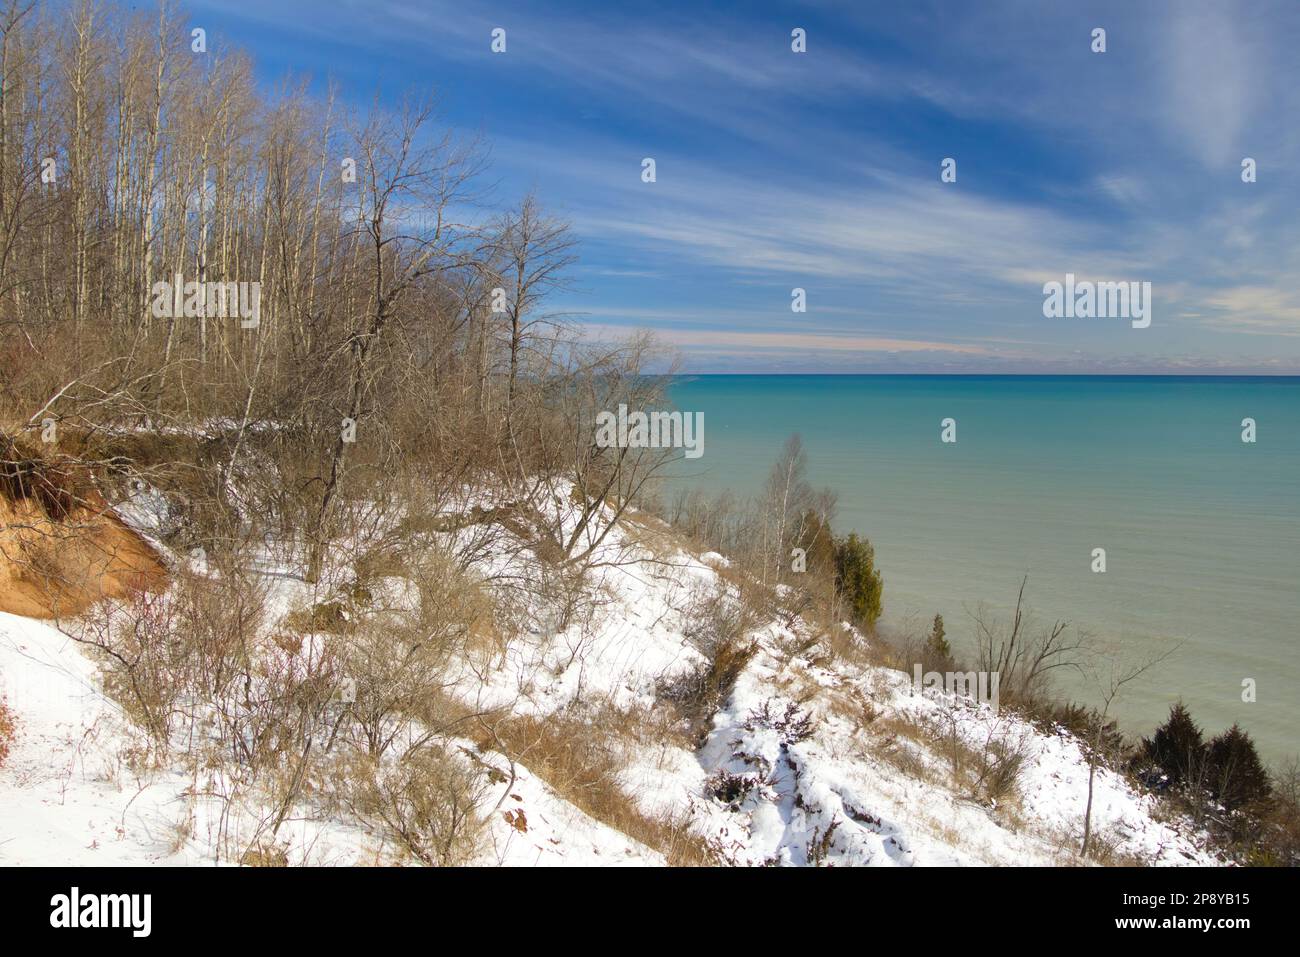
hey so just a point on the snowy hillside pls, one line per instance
(809, 757)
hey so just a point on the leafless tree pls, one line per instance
(1025, 658)
(1111, 675)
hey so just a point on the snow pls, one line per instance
(818, 753)
(70, 796)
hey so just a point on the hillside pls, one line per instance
(661, 723)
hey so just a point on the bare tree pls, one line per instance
(1023, 660)
(534, 253)
(408, 189)
(1110, 678)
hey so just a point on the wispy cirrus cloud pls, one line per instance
(820, 170)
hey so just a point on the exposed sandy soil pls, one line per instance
(58, 558)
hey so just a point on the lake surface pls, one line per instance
(1200, 529)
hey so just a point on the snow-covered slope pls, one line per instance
(809, 759)
(70, 795)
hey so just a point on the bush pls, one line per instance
(857, 582)
(429, 801)
(1281, 844)
(1085, 723)
(1176, 750)
(1000, 767)
(790, 724)
(716, 618)
(401, 658)
(147, 669)
(1233, 771)
(716, 623)
(731, 789)
(1225, 786)
(987, 770)
(698, 694)
(196, 642)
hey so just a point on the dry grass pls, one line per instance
(696, 695)
(717, 623)
(792, 646)
(265, 855)
(8, 731)
(428, 801)
(577, 757)
(903, 744)
(850, 705)
(987, 771)
(1103, 850)
(838, 644)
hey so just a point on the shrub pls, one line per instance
(1225, 786)
(145, 661)
(731, 789)
(1176, 749)
(697, 694)
(1281, 844)
(856, 580)
(988, 770)
(401, 658)
(790, 724)
(165, 651)
(714, 619)
(1085, 723)
(821, 844)
(717, 623)
(1000, 768)
(428, 800)
(1233, 771)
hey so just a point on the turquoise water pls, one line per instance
(1200, 529)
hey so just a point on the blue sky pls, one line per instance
(821, 170)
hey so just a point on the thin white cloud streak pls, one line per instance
(935, 247)
(890, 230)
(1184, 84)
(730, 340)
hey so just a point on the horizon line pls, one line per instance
(1006, 375)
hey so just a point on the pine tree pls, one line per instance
(856, 579)
(1177, 748)
(1233, 771)
(937, 644)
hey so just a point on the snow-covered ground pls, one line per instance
(810, 759)
(69, 794)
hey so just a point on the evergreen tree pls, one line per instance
(1177, 748)
(857, 581)
(1233, 771)
(815, 538)
(937, 644)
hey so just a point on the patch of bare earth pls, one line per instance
(61, 546)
